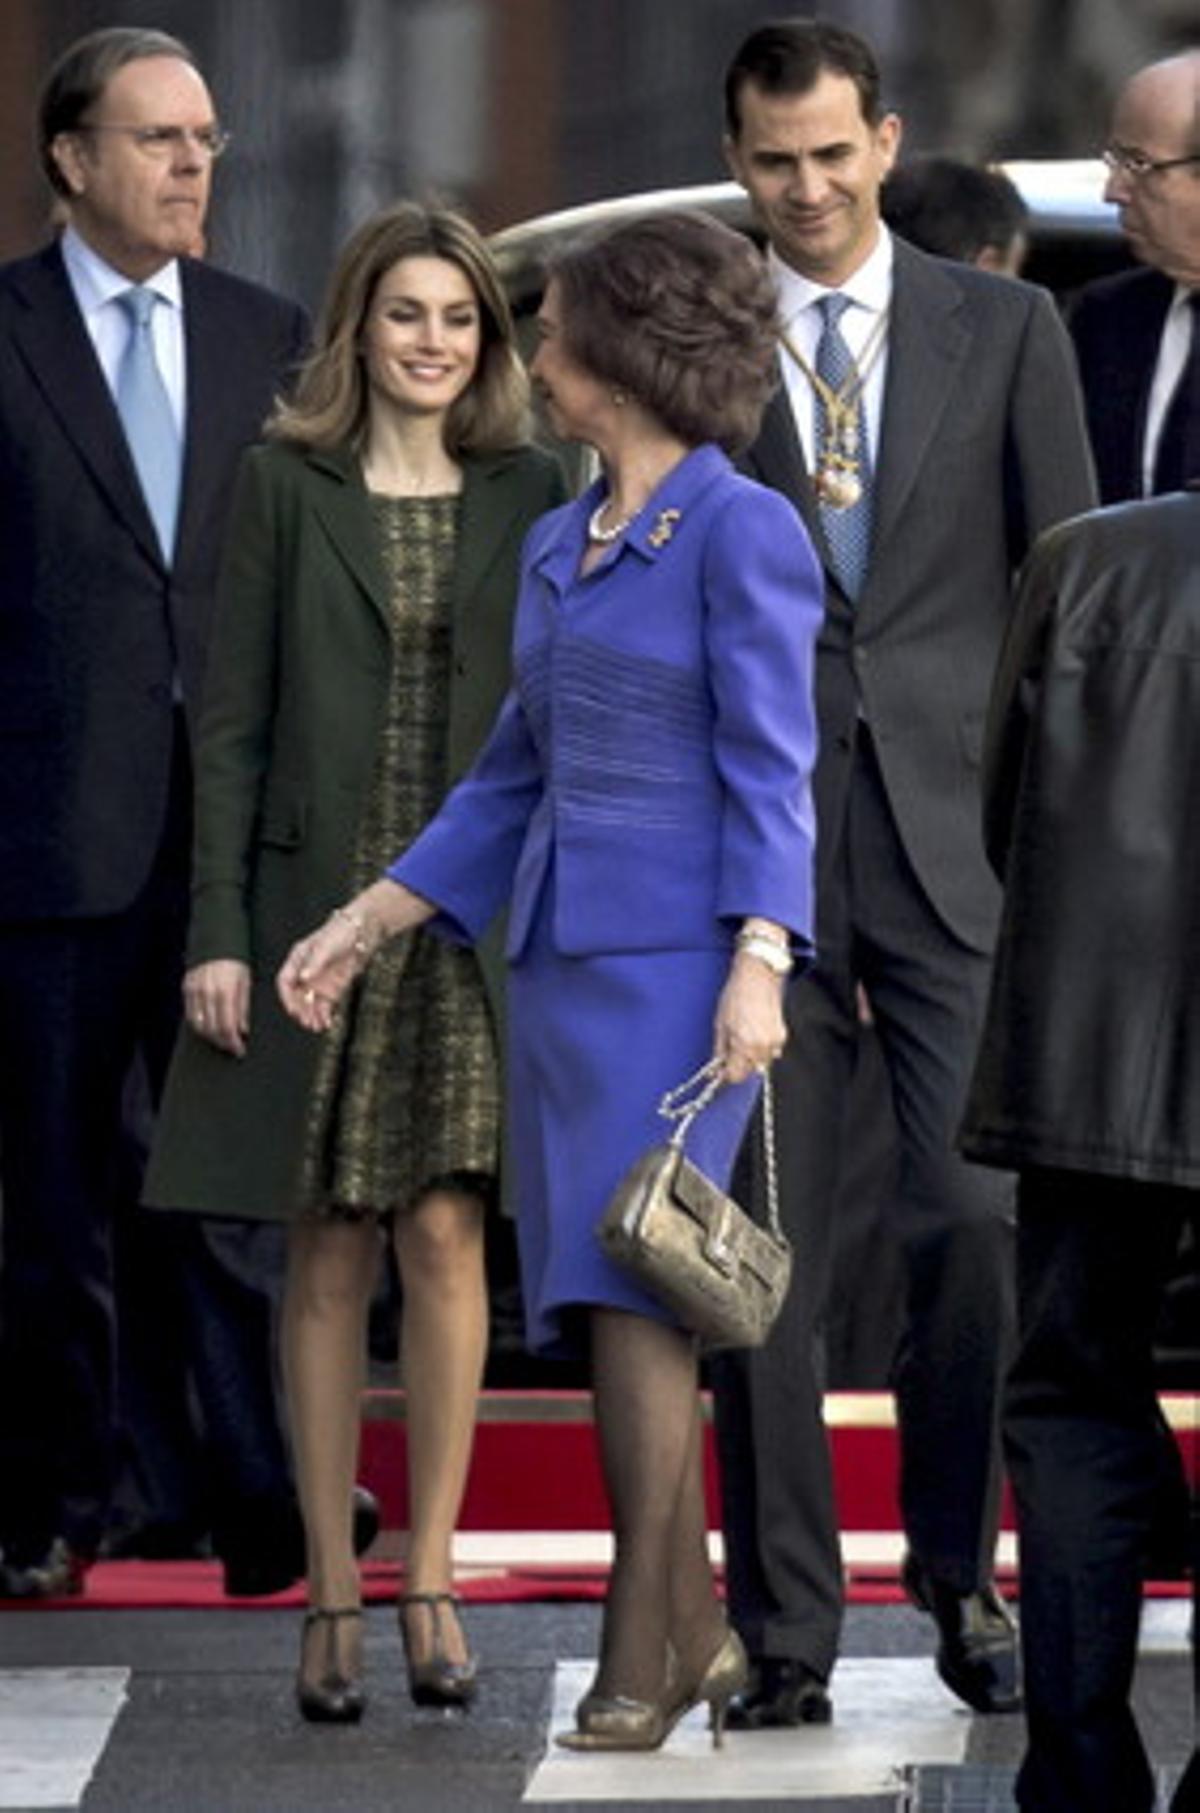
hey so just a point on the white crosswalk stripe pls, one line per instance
(890, 1711)
(1166, 1624)
(54, 1724)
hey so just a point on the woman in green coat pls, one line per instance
(360, 653)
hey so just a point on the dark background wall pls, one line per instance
(513, 107)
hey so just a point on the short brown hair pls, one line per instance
(679, 311)
(789, 56)
(80, 76)
(329, 408)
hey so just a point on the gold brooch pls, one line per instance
(664, 528)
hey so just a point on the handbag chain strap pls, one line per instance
(688, 1099)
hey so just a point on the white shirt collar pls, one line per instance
(870, 285)
(96, 283)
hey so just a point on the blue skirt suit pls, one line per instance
(646, 788)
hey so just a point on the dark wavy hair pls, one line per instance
(679, 312)
(789, 56)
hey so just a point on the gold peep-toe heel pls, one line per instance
(615, 1723)
(726, 1675)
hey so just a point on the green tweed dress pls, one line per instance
(407, 1090)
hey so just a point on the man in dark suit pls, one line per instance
(1137, 337)
(1086, 1086)
(924, 452)
(1138, 334)
(130, 379)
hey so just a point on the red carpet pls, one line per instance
(196, 1586)
(535, 1469)
(535, 1464)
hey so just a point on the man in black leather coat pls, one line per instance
(1088, 1084)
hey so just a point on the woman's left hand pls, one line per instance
(750, 1031)
(319, 969)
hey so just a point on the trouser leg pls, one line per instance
(1081, 1443)
(783, 1560)
(65, 1036)
(200, 1295)
(953, 1220)
(953, 1226)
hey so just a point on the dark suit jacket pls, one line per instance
(982, 446)
(93, 627)
(1117, 325)
(299, 673)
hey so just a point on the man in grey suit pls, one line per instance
(928, 427)
(131, 377)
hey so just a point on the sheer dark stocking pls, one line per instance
(697, 1616)
(661, 1588)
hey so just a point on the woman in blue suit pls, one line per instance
(643, 807)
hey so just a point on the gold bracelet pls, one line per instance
(364, 946)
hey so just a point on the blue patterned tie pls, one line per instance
(145, 411)
(847, 531)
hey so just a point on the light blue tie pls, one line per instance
(847, 531)
(145, 411)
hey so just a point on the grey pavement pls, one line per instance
(209, 1724)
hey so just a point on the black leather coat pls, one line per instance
(1090, 1057)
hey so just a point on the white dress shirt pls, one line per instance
(1172, 356)
(869, 292)
(96, 286)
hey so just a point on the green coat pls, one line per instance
(293, 708)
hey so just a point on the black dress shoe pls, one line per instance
(267, 1554)
(780, 1693)
(977, 1640)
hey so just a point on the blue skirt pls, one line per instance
(594, 1042)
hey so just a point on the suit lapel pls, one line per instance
(777, 459)
(209, 348)
(490, 503)
(53, 341)
(490, 507)
(341, 505)
(928, 349)
(1129, 374)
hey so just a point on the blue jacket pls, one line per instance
(658, 742)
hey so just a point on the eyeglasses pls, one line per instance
(164, 143)
(1137, 164)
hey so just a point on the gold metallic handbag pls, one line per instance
(688, 1242)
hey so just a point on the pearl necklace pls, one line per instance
(597, 531)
